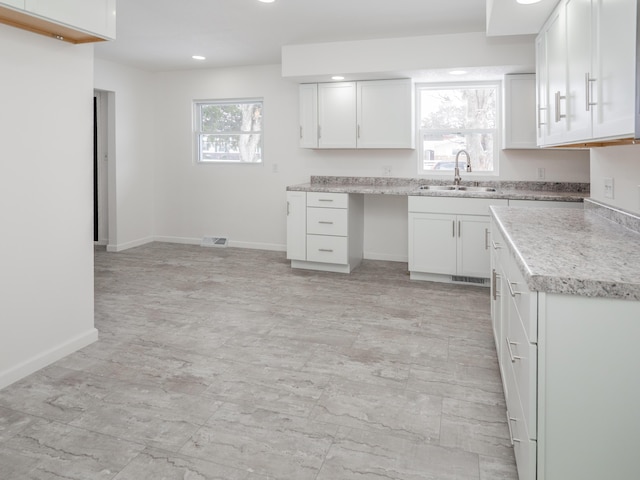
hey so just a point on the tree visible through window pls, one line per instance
(229, 131)
(454, 118)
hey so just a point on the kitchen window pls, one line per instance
(228, 131)
(456, 117)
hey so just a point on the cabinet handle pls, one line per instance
(358, 131)
(319, 132)
(459, 228)
(509, 420)
(511, 355)
(325, 200)
(511, 290)
(496, 246)
(494, 283)
(486, 239)
(325, 250)
(300, 132)
(325, 223)
(559, 97)
(288, 210)
(453, 224)
(587, 87)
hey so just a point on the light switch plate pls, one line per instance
(608, 187)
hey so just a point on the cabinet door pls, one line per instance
(578, 22)
(542, 94)
(474, 257)
(432, 243)
(308, 115)
(519, 111)
(555, 33)
(613, 72)
(95, 16)
(337, 115)
(297, 225)
(385, 114)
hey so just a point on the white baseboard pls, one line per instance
(386, 257)
(274, 247)
(180, 240)
(125, 246)
(18, 372)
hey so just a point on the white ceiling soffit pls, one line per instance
(508, 17)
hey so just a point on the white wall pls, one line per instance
(623, 165)
(46, 201)
(131, 158)
(247, 202)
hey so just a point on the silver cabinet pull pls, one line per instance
(358, 131)
(328, 250)
(486, 239)
(559, 97)
(494, 282)
(301, 132)
(325, 223)
(459, 228)
(288, 208)
(587, 87)
(325, 200)
(496, 246)
(509, 420)
(453, 224)
(511, 355)
(511, 290)
(319, 132)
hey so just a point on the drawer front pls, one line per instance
(327, 249)
(454, 205)
(327, 200)
(525, 301)
(327, 221)
(522, 357)
(524, 448)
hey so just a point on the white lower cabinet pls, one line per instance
(325, 230)
(448, 238)
(569, 366)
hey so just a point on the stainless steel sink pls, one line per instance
(462, 188)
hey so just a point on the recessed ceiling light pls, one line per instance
(266, 1)
(458, 72)
(337, 77)
(198, 57)
(527, 2)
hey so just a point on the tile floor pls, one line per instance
(226, 364)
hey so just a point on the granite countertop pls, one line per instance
(593, 252)
(558, 191)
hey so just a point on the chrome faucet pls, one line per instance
(456, 176)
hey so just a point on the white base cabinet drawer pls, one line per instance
(327, 249)
(327, 221)
(327, 200)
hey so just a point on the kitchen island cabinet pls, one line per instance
(566, 319)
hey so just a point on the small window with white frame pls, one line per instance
(455, 117)
(228, 131)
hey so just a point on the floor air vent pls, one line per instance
(214, 242)
(474, 280)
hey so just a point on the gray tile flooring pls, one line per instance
(226, 364)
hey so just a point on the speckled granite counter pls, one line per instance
(557, 191)
(593, 252)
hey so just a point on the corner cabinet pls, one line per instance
(569, 366)
(586, 72)
(325, 230)
(74, 21)
(449, 238)
(367, 114)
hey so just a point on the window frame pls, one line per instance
(198, 132)
(497, 141)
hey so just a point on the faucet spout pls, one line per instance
(456, 175)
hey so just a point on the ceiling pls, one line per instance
(161, 35)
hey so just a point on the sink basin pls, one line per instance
(477, 189)
(438, 187)
(462, 188)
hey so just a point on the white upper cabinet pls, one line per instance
(586, 77)
(368, 114)
(542, 98)
(75, 21)
(337, 115)
(519, 111)
(385, 114)
(308, 114)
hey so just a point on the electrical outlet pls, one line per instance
(540, 173)
(608, 188)
(386, 170)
